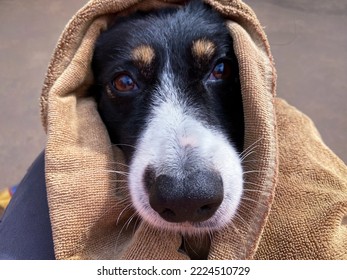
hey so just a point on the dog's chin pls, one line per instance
(215, 223)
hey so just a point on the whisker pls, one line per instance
(248, 154)
(121, 213)
(126, 145)
(137, 221)
(255, 171)
(102, 216)
(239, 234)
(253, 184)
(125, 226)
(256, 191)
(111, 171)
(238, 216)
(117, 172)
(250, 147)
(254, 201)
(119, 236)
(187, 246)
(130, 220)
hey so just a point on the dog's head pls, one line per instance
(168, 92)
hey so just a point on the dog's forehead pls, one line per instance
(195, 28)
(183, 38)
(144, 44)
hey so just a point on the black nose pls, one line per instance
(194, 198)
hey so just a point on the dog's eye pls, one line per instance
(124, 83)
(220, 72)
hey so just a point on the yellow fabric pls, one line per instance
(5, 198)
(90, 208)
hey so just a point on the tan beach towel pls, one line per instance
(295, 200)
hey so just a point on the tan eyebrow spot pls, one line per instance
(203, 49)
(109, 92)
(143, 55)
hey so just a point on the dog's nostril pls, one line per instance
(205, 208)
(207, 211)
(168, 215)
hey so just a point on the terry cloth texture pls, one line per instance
(295, 200)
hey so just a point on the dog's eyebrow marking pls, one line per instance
(109, 93)
(203, 49)
(143, 55)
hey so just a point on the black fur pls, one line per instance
(171, 33)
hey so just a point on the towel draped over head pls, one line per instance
(295, 194)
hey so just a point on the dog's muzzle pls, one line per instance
(185, 174)
(193, 198)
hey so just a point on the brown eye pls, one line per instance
(124, 83)
(220, 72)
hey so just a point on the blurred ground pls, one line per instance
(309, 44)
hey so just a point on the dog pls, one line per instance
(168, 90)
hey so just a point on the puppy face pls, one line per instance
(168, 92)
